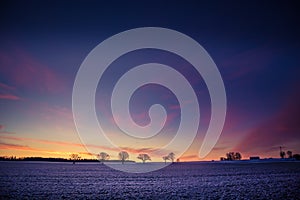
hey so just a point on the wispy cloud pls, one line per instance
(149, 150)
(189, 158)
(3, 131)
(7, 92)
(57, 111)
(25, 71)
(6, 87)
(18, 147)
(9, 97)
(61, 143)
(22, 139)
(281, 129)
(4, 145)
(249, 61)
(152, 151)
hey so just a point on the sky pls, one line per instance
(255, 46)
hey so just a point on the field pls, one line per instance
(25, 180)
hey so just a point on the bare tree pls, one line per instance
(290, 154)
(123, 155)
(232, 156)
(74, 157)
(171, 156)
(237, 156)
(281, 153)
(165, 158)
(103, 156)
(144, 157)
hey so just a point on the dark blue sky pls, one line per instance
(255, 45)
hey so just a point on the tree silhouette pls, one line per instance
(296, 156)
(290, 154)
(237, 156)
(144, 157)
(123, 155)
(232, 156)
(165, 158)
(103, 156)
(74, 157)
(281, 153)
(171, 156)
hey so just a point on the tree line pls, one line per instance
(123, 156)
(288, 154)
(282, 154)
(232, 156)
(102, 157)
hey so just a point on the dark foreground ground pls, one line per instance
(178, 181)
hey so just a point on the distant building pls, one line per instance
(254, 158)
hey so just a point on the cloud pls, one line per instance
(2, 130)
(189, 158)
(25, 71)
(41, 141)
(16, 147)
(6, 87)
(10, 146)
(220, 148)
(87, 154)
(249, 61)
(57, 111)
(174, 107)
(282, 129)
(9, 97)
(61, 143)
(138, 150)
(6, 92)
(129, 149)
(155, 152)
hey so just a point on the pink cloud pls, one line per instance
(25, 71)
(21, 139)
(2, 130)
(249, 61)
(6, 92)
(61, 143)
(87, 154)
(155, 152)
(42, 141)
(57, 111)
(6, 87)
(189, 158)
(174, 107)
(282, 129)
(9, 97)
(16, 147)
(142, 117)
(10, 146)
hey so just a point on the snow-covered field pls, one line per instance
(21, 180)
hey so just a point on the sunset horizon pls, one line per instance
(255, 59)
(149, 99)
